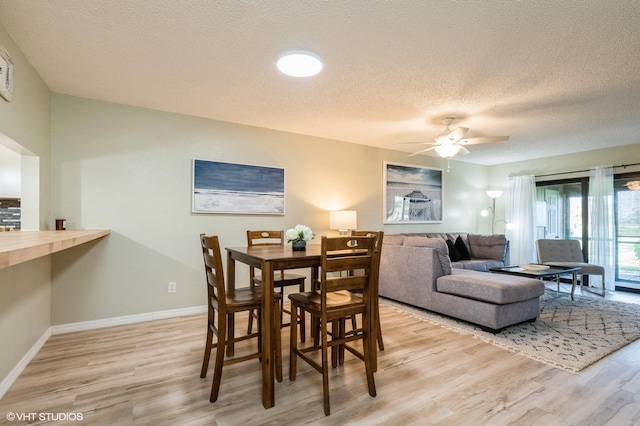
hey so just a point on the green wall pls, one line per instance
(25, 126)
(129, 170)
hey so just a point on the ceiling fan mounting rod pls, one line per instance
(448, 120)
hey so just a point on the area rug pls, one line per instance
(570, 334)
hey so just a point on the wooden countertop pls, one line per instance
(22, 246)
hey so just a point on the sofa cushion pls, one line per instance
(393, 240)
(488, 246)
(435, 243)
(494, 288)
(453, 251)
(585, 268)
(481, 265)
(462, 248)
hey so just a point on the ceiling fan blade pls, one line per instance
(418, 143)
(483, 139)
(463, 151)
(458, 133)
(422, 151)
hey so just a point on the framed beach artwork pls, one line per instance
(6, 74)
(237, 188)
(412, 194)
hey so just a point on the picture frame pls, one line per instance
(233, 188)
(6, 74)
(412, 194)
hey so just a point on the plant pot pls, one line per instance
(299, 245)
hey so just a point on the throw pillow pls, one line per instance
(462, 249)
(453, 251)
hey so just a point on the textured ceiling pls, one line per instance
(556, 76)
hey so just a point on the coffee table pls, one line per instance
(553, 272)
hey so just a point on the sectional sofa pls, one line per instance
(416, 269)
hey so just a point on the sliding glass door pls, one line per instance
(562, 212)
(627, 231)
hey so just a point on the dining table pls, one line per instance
(269, 259)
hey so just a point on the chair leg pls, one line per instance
(303, 328)
(250, 324)
(217, 370)
(337, 332)
(293, 342)
(379, 331)
(368, 356)
(230, 326)
(341, 335)
(302, 319)
(281, 306)
(207, 352)
(325, 368)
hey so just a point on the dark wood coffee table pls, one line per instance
(553, 272)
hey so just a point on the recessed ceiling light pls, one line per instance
(299, 63)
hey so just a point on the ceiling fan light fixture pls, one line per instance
(299, 63)
(447, 150)
(633, 185)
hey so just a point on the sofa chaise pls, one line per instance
(417, 270)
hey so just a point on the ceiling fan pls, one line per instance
(450, 143)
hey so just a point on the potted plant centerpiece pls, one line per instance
(298, 237)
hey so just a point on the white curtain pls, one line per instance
(601, 223)
(521, 215)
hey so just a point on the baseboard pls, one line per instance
(6, 383)
(26, 359)
(127, 319)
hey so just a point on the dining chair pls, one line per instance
(375, 276)
(333, 303)
(281, 279)
(222, 305)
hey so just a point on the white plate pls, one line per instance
(534, 267)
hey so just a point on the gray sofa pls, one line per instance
(417, 270)
(487, 251)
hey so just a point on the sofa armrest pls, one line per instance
(408, 274)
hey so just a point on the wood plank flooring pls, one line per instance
(148, 374)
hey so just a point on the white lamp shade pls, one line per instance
(343, 220)
(494, 194)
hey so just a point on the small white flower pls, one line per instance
(299, 233)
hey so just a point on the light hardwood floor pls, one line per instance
(148, 374)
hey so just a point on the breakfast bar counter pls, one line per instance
(22, 246)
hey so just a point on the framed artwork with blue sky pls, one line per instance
(219, 187)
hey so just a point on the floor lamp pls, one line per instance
(493, 195)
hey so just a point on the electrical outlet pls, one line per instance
(172, 287)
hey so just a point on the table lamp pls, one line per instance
(343, 220)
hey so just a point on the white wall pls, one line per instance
(9, 173)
